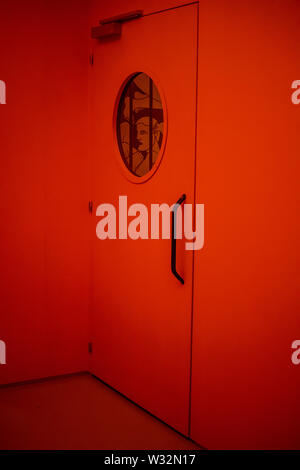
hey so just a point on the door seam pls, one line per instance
(194, 215)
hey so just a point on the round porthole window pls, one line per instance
(140, 125)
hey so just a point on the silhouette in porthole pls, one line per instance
(140, 124)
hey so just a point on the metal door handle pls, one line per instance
(173, 248)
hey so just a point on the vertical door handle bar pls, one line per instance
(173, 247)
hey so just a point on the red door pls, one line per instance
(141, 314)
(245, 387)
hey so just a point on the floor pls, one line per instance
(79, 412)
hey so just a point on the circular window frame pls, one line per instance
(121, 164)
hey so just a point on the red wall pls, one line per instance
(44, 188)
(104, 9)
(245, 389)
